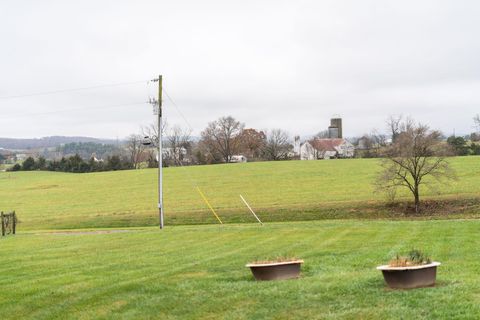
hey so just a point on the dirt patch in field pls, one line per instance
(444, 207)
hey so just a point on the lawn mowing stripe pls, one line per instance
(339, 291)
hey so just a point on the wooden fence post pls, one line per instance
(14, 221)
(3, 225)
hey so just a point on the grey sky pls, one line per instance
(285, 64)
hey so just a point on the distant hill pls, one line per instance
(47, 142)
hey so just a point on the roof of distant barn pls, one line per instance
(326, 144)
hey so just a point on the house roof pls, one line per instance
(326, 144)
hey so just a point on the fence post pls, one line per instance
(3, 225)
(14, 221)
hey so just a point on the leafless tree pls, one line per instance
(416, 154)
(135, 149)
(277, 146)
(178, 141)
(151, 157)
(394, 123)
(476, 121)
(151, 131)
(379, 139)
(252, 143)
(373, 143)
(323, 134)
(223, 137)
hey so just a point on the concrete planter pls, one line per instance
(410, 277)
(276, 270)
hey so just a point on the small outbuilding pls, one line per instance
(238, 158)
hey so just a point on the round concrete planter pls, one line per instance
(410, 277)
(276, 270)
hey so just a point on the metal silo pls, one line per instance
(336, 127)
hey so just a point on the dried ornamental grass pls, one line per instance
(413, 258)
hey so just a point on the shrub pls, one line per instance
(16, 167)
(28, 164)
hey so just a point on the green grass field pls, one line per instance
(197, 272)
(279, 191)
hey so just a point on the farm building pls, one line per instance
(238, 158)
(326, 149)
(326, 145)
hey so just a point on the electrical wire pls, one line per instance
(194, 183)
(178, 109)
(72, 109)
(44, 93)
(192, 180)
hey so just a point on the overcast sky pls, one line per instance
(270, 64)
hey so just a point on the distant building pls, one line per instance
(21, 156)
(178, 153)
(326, 145)
(326, 149)
(95, 159)
(238, 159)
(335, 130)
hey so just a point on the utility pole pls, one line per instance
(157, 110)
(160, 155)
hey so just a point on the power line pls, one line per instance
(44, 93)
(178, 109)
(72, 109)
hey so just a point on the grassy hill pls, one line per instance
(279, 191)
(198, 272)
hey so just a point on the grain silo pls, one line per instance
(335, 129)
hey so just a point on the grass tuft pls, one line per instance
(414, 257)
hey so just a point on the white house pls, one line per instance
(238, 158)
(326, 149)
(178, 153)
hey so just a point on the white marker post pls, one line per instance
(251, 210)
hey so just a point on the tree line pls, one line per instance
(373, 144)
(73, 164)
(220, 142)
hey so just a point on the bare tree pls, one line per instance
(475, 136)
(223, 136)
(416, 154)
(135, 149)
(476, 121)
(323, 135)
(179, 141)
(277, 146)
(151, 131)
(394, 124)
(252, 143)
(379, 139)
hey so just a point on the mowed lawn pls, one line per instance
(198, 272)
(279, 191)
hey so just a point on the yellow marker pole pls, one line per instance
(208, 204)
